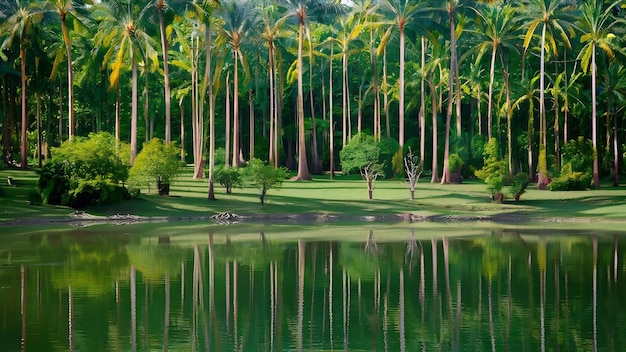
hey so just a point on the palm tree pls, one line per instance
(239, 20)
(497, 29)
(304, 11)
(552, 16)
(162, 6)
(270, 32)
(404, 14)
(68, 9)
(20, 24)
(121, 33)
(451, 8)
(206, 9)
(596, 24)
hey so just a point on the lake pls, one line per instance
(318, 287)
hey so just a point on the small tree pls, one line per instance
(228, 178)
(159, 163)
(264, 177)
(494, 172)
(361, 153)
(413, 168)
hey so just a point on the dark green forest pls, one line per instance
(292, 81)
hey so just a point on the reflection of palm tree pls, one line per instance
(370, 244)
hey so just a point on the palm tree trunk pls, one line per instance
(166, 72)
(235, 160)
(594, 132)
(227, 127)
(422, 113)
(24, 144)
(70, 77)
(401, 83)
(209, 79)
(331, 125)
(492, 70)
(344, 95)
(133, 114)
(435, 165)
(303, 170)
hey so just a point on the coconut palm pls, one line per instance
(240, 19)
(22, 17)
(497, 29)
(304, 11)
(122, 34)
(404, 14)
(272, 26)
(68, 9)
(597, 26)
(161, 7)
(555, 18)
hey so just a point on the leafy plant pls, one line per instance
(228, 178)
(494, 171)
(361, 153)
(158, 163)
(519, 183)
(85, 171)
(264, 177)
(576, 172)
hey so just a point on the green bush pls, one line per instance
(387, 151)
(68, 178)
(455, 163)
(360, 151)
(518, 185)
(264, 177)
(157, 163)
(577, 170)
(228, 178)
(570, 180)
(494, 171)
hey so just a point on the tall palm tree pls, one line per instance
(597, 26)
(497, 29)
(270, 33)
(22, 17)
(304, 11)
(122, 34)
(451, 7)
(555, 18)
(67, 9)
(404, 14)
(240, 19)
(162, 6)
(206, 10)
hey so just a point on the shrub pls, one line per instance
(228, 178)
(518, 185)
(576, 172)
(157, 163)
(264, 177)
(494, 172)
(68, 178)
(388, 150)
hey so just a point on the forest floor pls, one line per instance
(322, 200)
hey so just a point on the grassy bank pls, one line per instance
(345, 196)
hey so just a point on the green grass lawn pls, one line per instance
(343, 196)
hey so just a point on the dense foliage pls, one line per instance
(494, 172)
(519, 72)
(85, 171)
(158, 164)
(576, 172)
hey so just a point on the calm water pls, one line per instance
(225, 288)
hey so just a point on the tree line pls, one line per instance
(292, 81)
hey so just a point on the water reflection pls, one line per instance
(502, 291)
